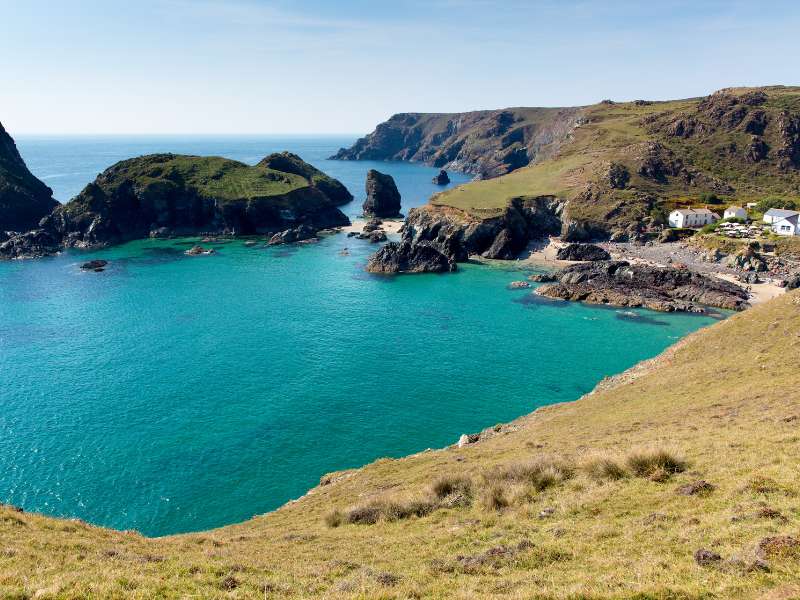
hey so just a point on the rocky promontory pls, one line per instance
(456, 235)
(162, 195)
(383, 197)
(620, 283)
(486, 143)
(24, 199)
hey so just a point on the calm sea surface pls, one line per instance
(174, 393)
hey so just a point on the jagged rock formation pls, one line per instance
(441, 178)
(456, 235)
(582, 252)
(383, 198)
(619, 283)
(167, 194)
(24, 199)
(485, 143)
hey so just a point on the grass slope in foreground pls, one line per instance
(568, 502)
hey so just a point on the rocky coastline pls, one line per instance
(664, 289)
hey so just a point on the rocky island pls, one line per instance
(171, 195)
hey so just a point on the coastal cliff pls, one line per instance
(485, 143)
(615, 169)
(24, 199)
(168, 194)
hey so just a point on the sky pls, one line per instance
(275, 66)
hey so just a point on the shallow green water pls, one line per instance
(174, 393)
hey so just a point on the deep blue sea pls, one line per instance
(174, 393)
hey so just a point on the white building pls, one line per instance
(788, 225)
(773, 215)
(692, 217)
(734, 212)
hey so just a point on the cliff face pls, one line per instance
(455, 235)
(24, 199)
(168, 194)
(485, 143)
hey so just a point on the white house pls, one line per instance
(788, 225)
(734, 212)
(773, 215)
(691, 217)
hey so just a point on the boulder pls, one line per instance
(199, 251)
(404, 257)
(383, 198)
(290, 236)
(442, 178)
(31, 244)
(582, 252)
(706, 558)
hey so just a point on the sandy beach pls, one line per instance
(390, 226)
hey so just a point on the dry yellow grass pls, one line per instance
(726, 400)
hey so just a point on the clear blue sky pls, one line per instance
(274, 66)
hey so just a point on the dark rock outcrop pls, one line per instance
(619, 283)
(96, 265)
(456, 235)
(291, 236)
(30, 244)
(582, 252)
(442, 178)
(404, 257)
(383, 198)
(24, 199)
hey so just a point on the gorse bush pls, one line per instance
(658, 464)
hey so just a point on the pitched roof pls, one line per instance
(733, 208)
(780, 212)
(791, 219)
(694, 211)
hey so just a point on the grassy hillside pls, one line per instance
(580, 500)
(622, 160)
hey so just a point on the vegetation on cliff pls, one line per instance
(24, 199)
(677, 479)
(169, 194)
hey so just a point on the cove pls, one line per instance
(174, 393)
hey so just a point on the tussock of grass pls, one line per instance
(603, 468)
(495, 497)
(538, 473)
(656, 464)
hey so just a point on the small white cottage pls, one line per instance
(691, 217)
(788, 225)
(734, 212)
(773, 215)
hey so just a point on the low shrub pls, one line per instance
(540, 473)
(334, 518)
(657, 465)
(448, 485)
(602, 468)
(495, 498)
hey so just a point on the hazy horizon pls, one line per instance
(272, 67)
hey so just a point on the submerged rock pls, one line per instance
(199, 251)
(97, 265)
(383, 198)
(442, 178)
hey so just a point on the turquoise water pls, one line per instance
(174, 393)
